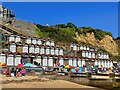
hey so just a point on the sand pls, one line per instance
(43, 83)
(47, 84)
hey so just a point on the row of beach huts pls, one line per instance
(46, 53)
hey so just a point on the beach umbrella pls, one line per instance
(71, 66)
(28, 65)
(67, 66)
(20, 65)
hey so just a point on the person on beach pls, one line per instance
(7, 72)
(23, 71)
(77, 69)
(12, 72)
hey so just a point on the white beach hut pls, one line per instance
(29, 40)
(10, 59)
(45, 61)
(47, 50)
(17, 39)
(61, 61)
(37, 49)
(12, 47)
(25, 48)
(11, 38)
(2, 58)
(70, 61)
(42, 49)
(17, 59)
(50, 61)
(34, 40)
(52, 51)
(39, 41)
(31, 48)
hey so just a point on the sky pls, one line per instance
(101, 15)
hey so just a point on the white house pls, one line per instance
(47, 42)
(52, 43)
(74, 62)
(61, 61)
(61, 51)
(83, 62)
(79, 62)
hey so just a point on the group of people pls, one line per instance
(14, 72)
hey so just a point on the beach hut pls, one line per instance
(23, 39)
(45, 61)
(17, 59)
(74, 47)
(25, 48)
(38, 59)
(78, 47)
(12, 47)
(17, 39)
(70, 61)
(19, 47)
(52, 51)
(39, 41)
(57, 51)
(42, 49)
(96, 62)
(31, 48)
(83, 62)
(75, 62)
(37, 49)
(61, 51)
(79, 62)
(61, 60)
(107, 56)
(89, 55)
(11, 38)
(10, 59)
(83, 53)
(71, 46)
(50, 61)
(47, 50)
(34, 40)
(81, 47)
(84, 48)
(25, 57)
(47, 42)
(88, 48)
(29, 40)
(52, 43)
(93, 54)
(2, 58)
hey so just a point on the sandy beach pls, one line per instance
(39, 83)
